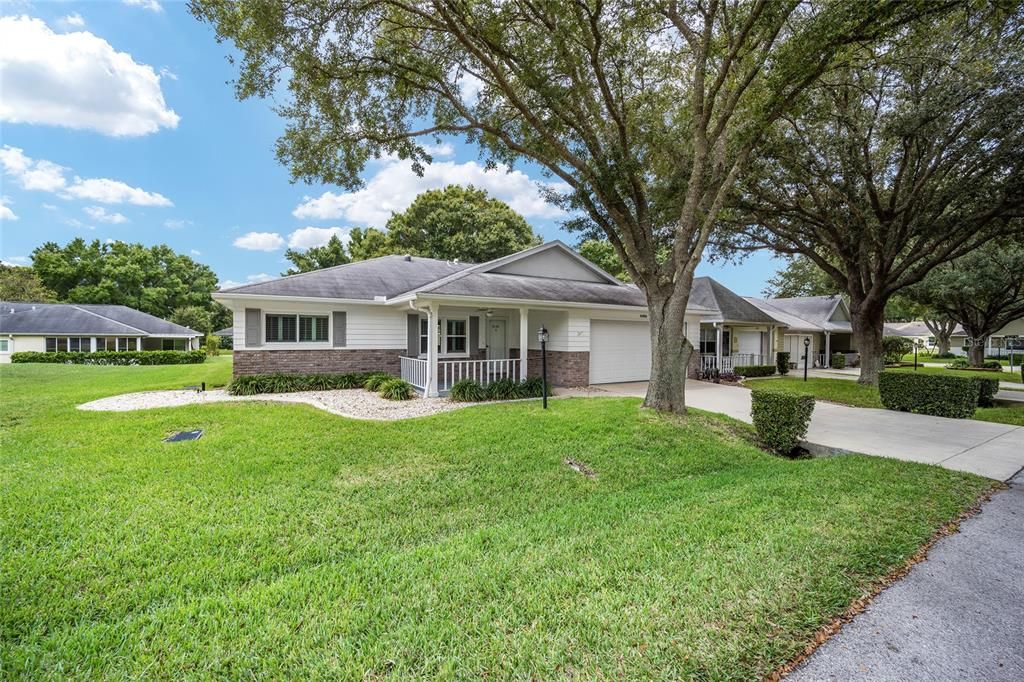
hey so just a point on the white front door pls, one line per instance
(497, 346)
(619, 351)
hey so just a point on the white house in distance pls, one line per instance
(434, 322)
(84, 327)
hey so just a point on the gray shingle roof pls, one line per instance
(708, 293)
(84, 319)
(804, 313)
(385, 276)
(496, 285)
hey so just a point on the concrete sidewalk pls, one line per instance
(959, 615)
(988, 449)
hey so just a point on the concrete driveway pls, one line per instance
(957, 616)
(993, 450)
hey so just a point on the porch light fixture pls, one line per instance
(807, 352)
(542, 338)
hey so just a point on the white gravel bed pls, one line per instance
(354, 403)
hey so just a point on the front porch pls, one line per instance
(417, 372)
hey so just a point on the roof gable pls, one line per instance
(553, 260)
(84, 319)
(708, 293)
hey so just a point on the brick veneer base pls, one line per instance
(565, 368)
(325, 361)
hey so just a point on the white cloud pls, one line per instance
(76, 80)
(168, 74)
(49, 207)
(17, 260)
(100, 214)
(46, 176)
(308, 237)
(5, 211)
(75, 222)
(107, 191)
(151, 5)
(249, 279)
(30, 173)
(195, 253)
(73, 20)
(176, 224)
(395, 185)
(260, 241)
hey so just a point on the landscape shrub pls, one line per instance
(467, 391)
(110, 357)
(533, 388)
(290, 383)
(396, 389)
(992, 364)
(780, 418)
(895, 347)
(503, 389)
(987, 389)
(958, 363)
(934, 394)
(226, 342)
(782, 362)
(837, 361)
(754, 370)
(374, 381)
(731, 376)
(211, 346)
(944, 356)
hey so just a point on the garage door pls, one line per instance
(619, 351)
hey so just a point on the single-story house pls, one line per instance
(825, 320)
(736, 332)
(999, 344)
(433, 322)
(86, 327)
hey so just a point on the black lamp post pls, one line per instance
(807, 352)
(917, 344)
(542, 337)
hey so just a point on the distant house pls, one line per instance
(999, 344)
(735, 332)
(85, 327)
(824, 320)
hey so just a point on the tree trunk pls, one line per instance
(942, 344)
(976, 353)
(670, 353)
(867, 321)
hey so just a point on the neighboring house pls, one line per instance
(737, 332)
(51, 327)
(825, 320)
(1010, 337)
(434, 322)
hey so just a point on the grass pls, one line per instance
(289, 543)
(1002, 376)
(848, 392)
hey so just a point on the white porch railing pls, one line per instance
(416, 371)
(730, 362)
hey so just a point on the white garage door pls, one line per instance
(749, 342)
(619, 351)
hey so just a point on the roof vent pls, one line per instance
(407, 258)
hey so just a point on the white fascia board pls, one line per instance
(227, 297)
(531, 303)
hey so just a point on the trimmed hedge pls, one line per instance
(110, 357)
(780, 418)
(837, 361)
(289, 383)
(782, 362)
(934, 394)
(987, 389)
(755, 370)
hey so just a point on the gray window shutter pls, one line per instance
(340, 329)
(413, 326)
(474, 335)
(253, 337)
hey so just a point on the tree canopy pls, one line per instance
(19, 283)
(152, 279)
(601, 253)
(643, 114)
(800, 277)
(317, 257)
(907, 157)
(983, 291)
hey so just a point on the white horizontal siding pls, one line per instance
(367, 326)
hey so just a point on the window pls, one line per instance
(101, 343)
(4, 345)
(56, 344)
(124, 343)
(290, 328)
(172, 344)
(424, 335)
(312, 328)
(455, 336)
(80, 344)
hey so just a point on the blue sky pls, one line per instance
(119, 123)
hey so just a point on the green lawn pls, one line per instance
(290, 543)
(1005, 375)
(849, 392)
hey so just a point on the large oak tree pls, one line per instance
(908, 158)
(646, 112)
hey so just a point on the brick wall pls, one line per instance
(325, 361)
(565, 368)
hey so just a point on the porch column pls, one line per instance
(138, 343)
(718, 346)
(431, 389)
(828, 349)
(92, 345)
(524, 341)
